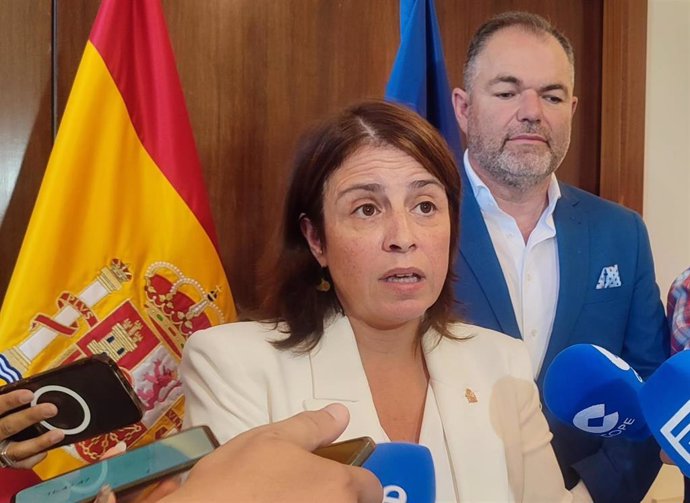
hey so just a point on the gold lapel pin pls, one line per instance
(471, 397)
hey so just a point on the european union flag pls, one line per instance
(419, 79)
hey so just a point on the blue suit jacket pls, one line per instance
(592, 233)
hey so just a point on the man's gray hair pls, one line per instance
(527, 21)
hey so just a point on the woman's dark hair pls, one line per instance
(290, 294)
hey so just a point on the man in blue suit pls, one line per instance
(544, 261)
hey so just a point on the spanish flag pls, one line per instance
(120, 254)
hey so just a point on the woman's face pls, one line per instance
(387, 230)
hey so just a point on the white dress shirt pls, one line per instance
(530, 269)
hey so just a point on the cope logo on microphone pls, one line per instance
(394, 494)
(677, 431)
(595, 420)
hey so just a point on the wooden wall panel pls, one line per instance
(25, 118)
(277, 67)
(73, 19)
(256, 72)
(623, 88)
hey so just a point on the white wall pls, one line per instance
(667, 142)
(667, 163)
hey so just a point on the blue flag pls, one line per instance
(419, 79)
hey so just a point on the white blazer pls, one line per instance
(499, 445)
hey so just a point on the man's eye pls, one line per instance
(553, 99)
(366, 210)
(504, 96)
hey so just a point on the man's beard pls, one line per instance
(520, 166)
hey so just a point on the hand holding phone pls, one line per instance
(80, 400)
(15, 417)
(276, 463)
(353, 452)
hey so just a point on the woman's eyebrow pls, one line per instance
(419, 184)
(376, 188)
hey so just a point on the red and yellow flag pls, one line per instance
(120, 253)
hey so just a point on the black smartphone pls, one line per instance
(352, 452)
(126, 472)
(92, 396)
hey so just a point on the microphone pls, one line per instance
(665, 401)
(406, 472)
(595, 391)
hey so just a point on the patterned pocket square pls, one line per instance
(609, 277)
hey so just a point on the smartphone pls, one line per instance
(92, 396)
(352, 452)
(125, 472)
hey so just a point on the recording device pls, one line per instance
(126, 472)
(591, 389)
(352, 452)
(665, 402)
(406, 472)
(92, 396)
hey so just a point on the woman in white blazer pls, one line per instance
(360, 311)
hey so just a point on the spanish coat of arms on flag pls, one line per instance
(120, 253)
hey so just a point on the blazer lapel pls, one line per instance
(476, 455)
(478, 251)
(572, 234)
(338, 376)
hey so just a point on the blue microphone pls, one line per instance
(595, 391)
(665, 401)
(406, 472)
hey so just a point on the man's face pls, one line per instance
(518, 112)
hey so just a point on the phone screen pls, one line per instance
(148, 463)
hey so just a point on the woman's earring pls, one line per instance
(324, 285)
